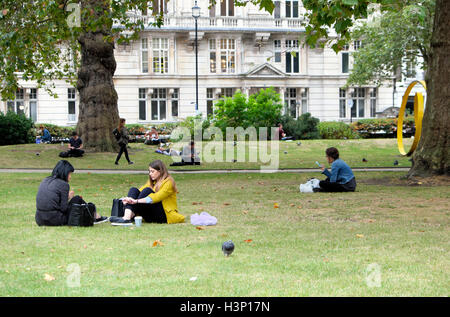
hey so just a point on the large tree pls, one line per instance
(391, 41)
(432, 155)
(40, 40)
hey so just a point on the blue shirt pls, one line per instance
(340, 172)
(46, 136)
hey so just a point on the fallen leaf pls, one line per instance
(420, 183)
(245, 212)
(292, 205)
(48, 277)
(359, 235)
(52, 250)
(226, 204)
(85, 246)
(157, 242)
(224, 235)
(275, 189)
(248, 241)
(299, 207)
(199, 228)
(276, 205)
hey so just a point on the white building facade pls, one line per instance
(239, 48)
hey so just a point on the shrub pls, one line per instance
(190, 123)
(383, 126)
(260, 110)
(305, 127)
(56, 132)
(16, 129)
(336, 130)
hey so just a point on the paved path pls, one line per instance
(118, 171)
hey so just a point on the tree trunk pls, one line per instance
(99, 113)
(432, 155)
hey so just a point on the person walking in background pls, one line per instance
(341, 178)
(75, 146)
(123, 142)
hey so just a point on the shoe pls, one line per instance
(100, 220)
(130, 163)
(119, 221)
(117, 163)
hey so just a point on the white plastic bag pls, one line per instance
(204, 219)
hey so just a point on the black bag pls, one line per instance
(81, 215)
(117, 209)
(117, 134)
(64, 154)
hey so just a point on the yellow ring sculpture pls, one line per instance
(418, 116)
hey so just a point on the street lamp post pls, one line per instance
(196, 15)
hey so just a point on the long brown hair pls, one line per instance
(163, 174)
(121, 124)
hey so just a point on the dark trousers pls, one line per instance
(123, 149)
(327, 186)
(75, 152)
(149, 212)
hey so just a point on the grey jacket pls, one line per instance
(52, 202)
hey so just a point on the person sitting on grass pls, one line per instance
(152, 137)
(46, 136)
(189, 156)
(75, 146)
(156, 201)
(54, 197)
(341, 178)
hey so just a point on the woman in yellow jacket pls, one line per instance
(156, 201)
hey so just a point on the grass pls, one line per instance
(378, 153)
(312, 245)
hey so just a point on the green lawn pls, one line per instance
(377, 152)
(312, 245)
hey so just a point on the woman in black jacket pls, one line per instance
(54, 197)
(123, 142)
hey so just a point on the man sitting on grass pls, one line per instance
(75, 145)
(341, 178)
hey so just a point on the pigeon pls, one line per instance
(37, 154)
(235, 143)
(228, 247)
(234, 161)
(299, 143)
(395, 162)
(364, 160)
(285, 152)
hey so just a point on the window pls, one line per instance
(291, 8)
(33, 104)
(159, 7)
(304, 96)
(160, 56)
(342, 103)
(212, 56)
(277, 10)
(345, 59)
(159, 104)
(227, 8)
(209, 101)
(373, 102)
(292, 57)
(17, 105)
(227, 55)
(277, 49)
(358, 103)
(291, 102)
(71, 96)
(212, 10)
(357, 45)
(175, 99)
(142, 104)
(144, 55)
(227, 93)
(410, 65)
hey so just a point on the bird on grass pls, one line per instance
(228, 247)
(395, 163)
(285, 152)
(364, 160)
(299, 143)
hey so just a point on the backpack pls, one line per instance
(64, 154)
(117, 134)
